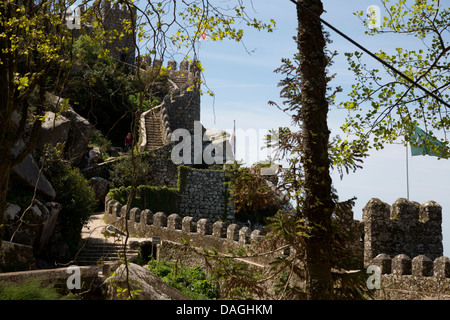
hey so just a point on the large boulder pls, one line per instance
(16, 257)
(28, 175)
(12, 212)
(139, 278)
(35, 228)
(79, 136)
(101, 188)
(68, 127)
(55, 129)
(48, 226)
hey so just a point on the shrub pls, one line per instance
(31, 289)
(101, 142)
(121, 171)
(252, 196)
(72, 192)
(149, 197)
(193, 282)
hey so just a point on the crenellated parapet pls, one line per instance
(108, 6)
(406, 227)
(419, 266)
(187, 73)
(201, 233)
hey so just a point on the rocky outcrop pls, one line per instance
(16, 257)
(28, 175)
(79, 135)
(101, 187)
(37, 229)
(151, 287)
(55, 129)
(62, 125)
(69, 128)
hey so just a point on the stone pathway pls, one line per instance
(95, 247)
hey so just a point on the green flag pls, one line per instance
(422, 143)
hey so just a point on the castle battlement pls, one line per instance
(201, 233)
(406, 227)
(188, 73)
(114, 6)
(419, 266)
(144, 223)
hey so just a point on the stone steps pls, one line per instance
(96, 250)
(154, 132)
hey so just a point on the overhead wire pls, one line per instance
(413, 82)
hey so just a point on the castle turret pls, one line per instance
(116, 17)
(406, 227)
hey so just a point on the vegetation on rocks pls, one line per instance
(31, 289)
(73, 193)
(193, 282)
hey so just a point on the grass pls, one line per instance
(31, 289)
(193, 282)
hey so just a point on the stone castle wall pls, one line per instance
(182, 106)
(202, 233)
(411, 279)
(196, 192)
(401, 276)
(113, 17)
(204, 195)
(180, 109)
(404, 228)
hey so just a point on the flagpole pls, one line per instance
(234, 140)
(407, 174)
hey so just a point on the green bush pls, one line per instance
(72, 192)
(99, 140)
(121, 171)
(253, 198)
(31, 289)
(162, 199)
(193, 282)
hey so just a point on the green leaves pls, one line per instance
(201, 18)
(384, 106)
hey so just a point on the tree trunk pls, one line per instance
(318, 205)
(4, 181)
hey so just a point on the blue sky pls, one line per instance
(243, 83)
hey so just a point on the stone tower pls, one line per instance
(113, 16)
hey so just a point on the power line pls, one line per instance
(373, 55)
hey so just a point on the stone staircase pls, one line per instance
(154, 130)
(94, 251)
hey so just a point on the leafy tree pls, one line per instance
(383, 106)
(318, 240)
(254, 198)
(32, 39)
(98, 87)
